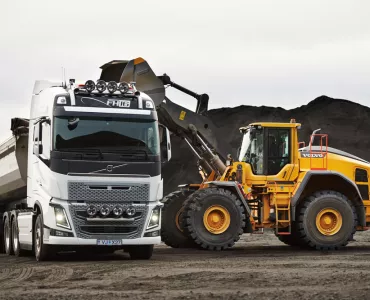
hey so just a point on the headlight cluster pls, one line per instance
(104, 210)
(61, 217)
(154, 218)
(101, 86)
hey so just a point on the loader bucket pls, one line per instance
(138, 71)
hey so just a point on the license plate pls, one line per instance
(109, 242)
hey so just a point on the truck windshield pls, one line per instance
(252, 150)
(106, 134)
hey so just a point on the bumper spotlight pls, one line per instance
(118, 210)
(105, 210)
(92, 210)
(131, 211)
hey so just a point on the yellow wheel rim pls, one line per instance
(177, 219)
(329, 221)
(216, 219)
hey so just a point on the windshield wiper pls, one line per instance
(83, 150)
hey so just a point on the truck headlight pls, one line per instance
(61, 218)
(154, 218)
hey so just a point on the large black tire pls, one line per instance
(42, 252)
(308, 231)
(172, 232)
(292, 239)
(8, 236)
(197, 205)
(15, 239)
(140, 252)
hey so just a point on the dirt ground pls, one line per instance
(258, 267)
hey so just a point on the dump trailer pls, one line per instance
(84, 172)
(314, 196)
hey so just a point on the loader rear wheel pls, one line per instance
(214, 218)
(327, 221)
(8, 237)
(172, 233)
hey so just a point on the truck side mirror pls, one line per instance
(165, 144)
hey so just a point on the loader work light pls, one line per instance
(61, 219)
(90, 86)
(112, 87)
(101, 86)
(154, 218)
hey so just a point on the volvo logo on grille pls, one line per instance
(110, 168)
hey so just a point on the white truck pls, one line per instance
(84, 171)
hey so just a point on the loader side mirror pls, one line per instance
(165, 145)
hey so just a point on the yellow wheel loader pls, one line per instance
(311, 196)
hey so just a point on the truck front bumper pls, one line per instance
(73, 241)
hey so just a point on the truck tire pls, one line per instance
(172, 232)
(42, 252)
(2, 250)
(140, 252)
(327, 221)
(15, 239)
(214, 218)
(8, 236)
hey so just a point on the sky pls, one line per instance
(275, 53)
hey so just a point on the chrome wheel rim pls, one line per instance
(38, 238)
(15, 238)
(7, 237)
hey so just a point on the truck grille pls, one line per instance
(101, 192)
(109, 229)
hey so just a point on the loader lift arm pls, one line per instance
(197, 130)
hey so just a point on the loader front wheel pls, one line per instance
(327, 221)
(214, 218)
(172, 232)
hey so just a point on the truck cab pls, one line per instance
(93, 171)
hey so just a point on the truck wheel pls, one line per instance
(15, 238)
(172, 232)
(2, 250)
(140, 252)
(214, 218)
(327, 221)
(8, 237)
(42, 252)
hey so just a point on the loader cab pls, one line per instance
(269, 148)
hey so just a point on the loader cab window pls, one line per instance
(278, 142)
(252, 150)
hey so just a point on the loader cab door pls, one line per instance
(277, 152)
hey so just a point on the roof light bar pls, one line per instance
(112, 87)
(101, 86)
